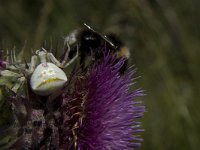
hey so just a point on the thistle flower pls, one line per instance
(95, 110)
(106, 111)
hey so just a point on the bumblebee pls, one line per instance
(90, 43)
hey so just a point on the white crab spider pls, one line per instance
(44, 69)
(48, 76)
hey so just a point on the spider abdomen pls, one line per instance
(47, 78)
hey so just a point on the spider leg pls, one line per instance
(72, 60)
(32, 64)
(54, 60)
(63, 64)
(66, 55)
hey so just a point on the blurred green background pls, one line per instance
(164, 39)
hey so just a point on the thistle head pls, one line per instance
(96, 109)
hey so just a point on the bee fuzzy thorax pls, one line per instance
(47, 78)
(123, 52)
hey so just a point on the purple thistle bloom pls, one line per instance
(107, 111)
(110, 109)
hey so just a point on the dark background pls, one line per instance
(164, 39)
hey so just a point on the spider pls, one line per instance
(45, 71)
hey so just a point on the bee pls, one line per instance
(91, 43)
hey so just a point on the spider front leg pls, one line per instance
(32, 65)
(66, 55)
(64, 63)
